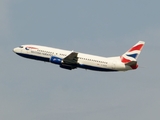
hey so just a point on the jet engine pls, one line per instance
(55, 60)
(63, 65)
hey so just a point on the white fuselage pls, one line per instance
(85, 61)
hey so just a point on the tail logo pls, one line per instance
(125, 60)
(138, 47)
(133, 53)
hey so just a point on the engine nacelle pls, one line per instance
(59, 61)
(55, 60)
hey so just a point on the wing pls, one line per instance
(71, 58)
(70, 62)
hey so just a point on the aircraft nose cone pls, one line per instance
(15, 50)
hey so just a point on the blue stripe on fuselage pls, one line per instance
(95, 68)
(34, 57)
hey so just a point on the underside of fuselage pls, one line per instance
(83, 66)
(89, 67)
(34, 57)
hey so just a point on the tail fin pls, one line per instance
(130, 57)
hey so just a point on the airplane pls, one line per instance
(71, 60)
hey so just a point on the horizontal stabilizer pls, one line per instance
(131, 63)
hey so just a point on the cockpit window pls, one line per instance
(20, 46)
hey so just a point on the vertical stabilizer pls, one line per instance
(130, 57)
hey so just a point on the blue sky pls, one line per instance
(37, 90)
